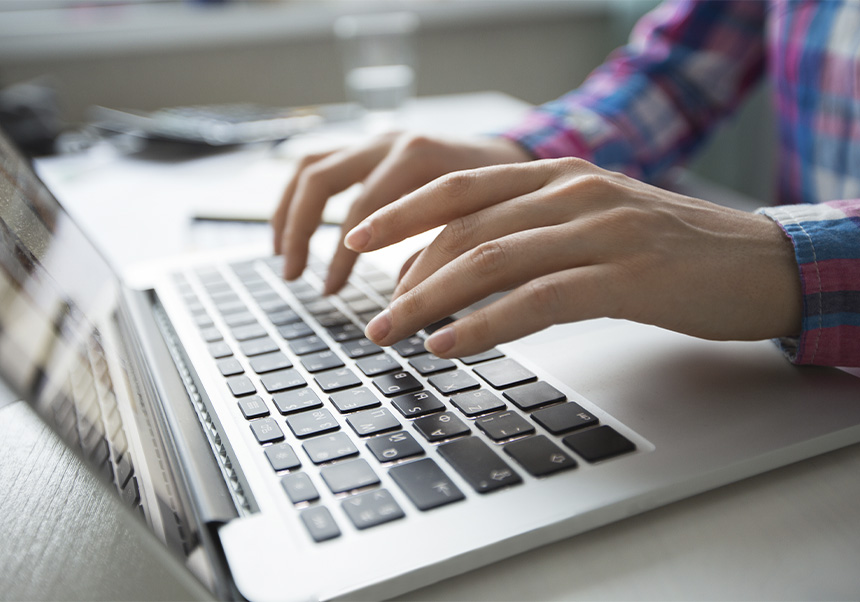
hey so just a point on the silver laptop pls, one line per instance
(263, 439)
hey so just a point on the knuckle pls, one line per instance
(411, 303)
(480, 327)
(456, 184)
(489, 258)
(455, 237)
(416, 144)
(546, 298)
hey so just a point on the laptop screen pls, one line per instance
(54, 288)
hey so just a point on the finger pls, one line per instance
(279, 219)
(315, 185)
(566, 296)
(443, 200)
(493, 266)
(408, 264)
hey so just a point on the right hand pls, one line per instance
(389, 167)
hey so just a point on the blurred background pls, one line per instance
(58, 58)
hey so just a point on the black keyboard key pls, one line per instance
(320, 523)
(438, 427)
(298, 400)
(313, 422)
(479, 465)
(329, 448)
(417, 404)
(335, 380)
(534, 395)
(271, 305)
(230, 366)
(414, 345)
(270, 362)
(360, 348)
(599, 443)
(475, 403)
(320, 306)
(321, 360)
(371, 508)
(284, 317)
(258, 346)
(504, 373)
(430, 364)
(239, 319)
(220, 350)
(398, 383)
(395, 446)
(353, 400)
(282, 457)
(332, 320)
(266, 430)
(282, 380)
(504, 425)
(295, 330)
(241, 385)
(306, 345)
(564, 417)
(449, 383)
(248, 331)
(373, 422)
(438, 325)
(299, 488)
(377, 364)
(349, 475)
(253, 407)
(539, 456)
(486, 356)
(345, 332)
(425, 484)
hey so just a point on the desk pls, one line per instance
(791, 533)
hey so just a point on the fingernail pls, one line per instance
(358, 238)
(441, 341)
(379, 327)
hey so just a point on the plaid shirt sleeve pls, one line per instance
(653, 102)
(826, 239)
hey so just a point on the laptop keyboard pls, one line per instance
(331, 409)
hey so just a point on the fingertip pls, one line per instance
(358, 238)
(441, 342)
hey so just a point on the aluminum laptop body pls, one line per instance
(208, 448)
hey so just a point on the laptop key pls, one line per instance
(425, 484)
(320, 523)
(299, 488)
(352, 400)
(539, 456)
(295, 330)
(211, 334)
(349, 475)
(230, 366)
(504, 373)
(345, 332)
(438, 427)
(430, 364)
(398, 383)
(599, 443)
(219, 350)
(564, 417)
(321, 360)
(486, 356)
(450, 383)
(377, 364)
(419, 403)
(534, 395)
(371, 508)
(248, 331)
(395, 446)
(311, 344)
(504, 425)
(266, 430)
(282, 457)
(313, 422)
(408, 347)
(241, 385)
(362, 347)
(270, 362)
(475, 403)
(329, 448)
(479, 465)
(283, 317)
(282, 380)
(335, 380)
(239, 319)
(298, 400)
(373, 422)
(253, 407)
(258, 346)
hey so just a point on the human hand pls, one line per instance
(389, 167)
(576, 242)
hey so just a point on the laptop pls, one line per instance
(283, 456)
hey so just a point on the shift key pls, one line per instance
(479, 465)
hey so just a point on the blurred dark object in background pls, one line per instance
(29, 114)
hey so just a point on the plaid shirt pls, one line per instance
(688, 65)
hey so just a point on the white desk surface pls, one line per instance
(793, 533)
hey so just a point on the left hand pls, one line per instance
(575, 242)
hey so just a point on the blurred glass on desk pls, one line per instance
(378, 59)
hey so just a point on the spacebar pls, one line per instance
(478, 464)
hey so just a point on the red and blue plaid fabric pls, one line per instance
(687, 66)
